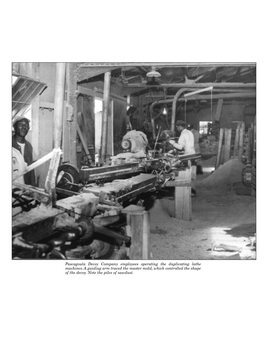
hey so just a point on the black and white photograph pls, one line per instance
(139, 161)
(132, 184)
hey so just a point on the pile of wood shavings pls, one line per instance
(226, 174)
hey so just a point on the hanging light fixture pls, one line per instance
(153, 73)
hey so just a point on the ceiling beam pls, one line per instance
(193, 85)
(164, 64)
(83, 74)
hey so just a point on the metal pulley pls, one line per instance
(126, 144)
(68, 177)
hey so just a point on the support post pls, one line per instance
(138, 226)
(219, 148)
(237, 141)
(107, 78)
(228, 133)
(241, 141)
(59, 103)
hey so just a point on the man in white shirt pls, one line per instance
(186, 140)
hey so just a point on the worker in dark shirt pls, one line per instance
(21, 128)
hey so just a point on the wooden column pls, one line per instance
(228, 133)
(107, 78)
(59, 103)
(241, 141)
(237, 141)
(219, 148)
(218, 109)
(71, 121)
(138, 228)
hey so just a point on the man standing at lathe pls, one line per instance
(21, 128)
(186, 140)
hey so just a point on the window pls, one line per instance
(204, 127)
(98, 109)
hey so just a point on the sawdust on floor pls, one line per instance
(219, 216)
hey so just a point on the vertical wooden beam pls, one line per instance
(250, 145)
(218, 109)
(241, 141)
(70, 125)
(35, 115)
(237, 141)
(228, 133)
(50, 184)
(219, 148)
(106, 97)
(59, 103)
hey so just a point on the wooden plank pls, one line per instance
(219, 148)
(50, 184)
(84, 143)
(71, 73)
(237, 141)
(228, 133)
(250, 144)
(179, 183)
(34, 165)
(219, 109)
(241, 141)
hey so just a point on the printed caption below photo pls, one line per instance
(126, 268)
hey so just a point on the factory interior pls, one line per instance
(108, 183)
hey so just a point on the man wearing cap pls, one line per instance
(19, 142)
(186, 140)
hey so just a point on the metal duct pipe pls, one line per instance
(59, 103)
(195, 97)
(106, 97)
(218, 96)
(161, 96)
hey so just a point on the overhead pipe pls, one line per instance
(218, 96)
(106, 97)
(195, 97)
(59, 103)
